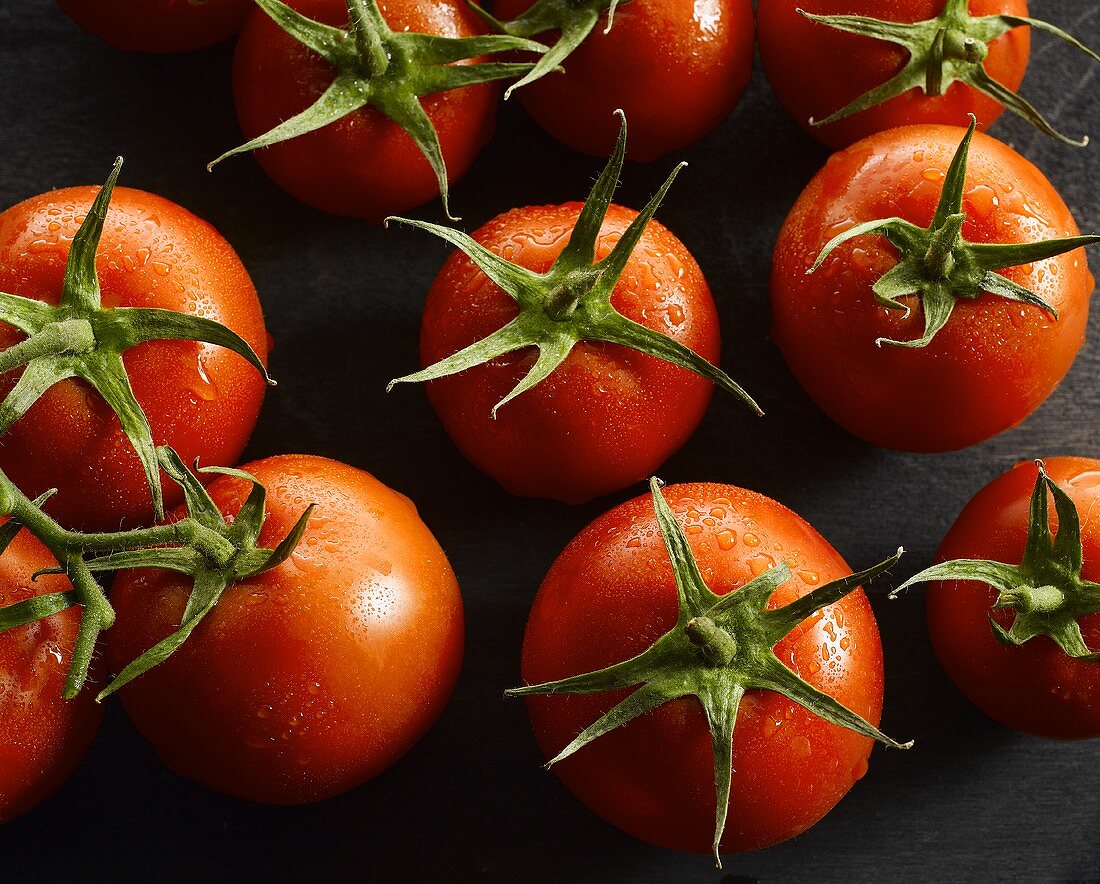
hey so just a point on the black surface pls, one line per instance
(973, 801)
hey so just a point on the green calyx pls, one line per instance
(570, 302)
(204, 546)
(387, 70)
(79, 338)
(939, 267)
(950, 48)
(721, 647)
(573, 20)
(1046, 590)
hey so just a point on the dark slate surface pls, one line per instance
(974, 801)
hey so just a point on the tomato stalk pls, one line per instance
(203, 545)
(1046, 590)
(80, 338)
(570, 302)
(720, 647)
(938, 267)
(388, 70)
(950, 48)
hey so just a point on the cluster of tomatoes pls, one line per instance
(292, 627)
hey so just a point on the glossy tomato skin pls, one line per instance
(42, 736)
(310, 679)
(676, 67)
(611, 594)
(363, 165)
(993, 363)
(1035, 687)
(608, 416)
(200, 399)
(816, 70)
(159, 25)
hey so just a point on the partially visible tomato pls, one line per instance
(608, 416)
(42, 737)
(159, 25)
(611, 594)
(201, 399)
(1034, 687)
(363, 165)
(676, 67)
(816, 70)
(309, 679)
(993, 363)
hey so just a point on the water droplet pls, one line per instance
(727, 540)
(752, 540)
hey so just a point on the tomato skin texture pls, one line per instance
(815, 70)
(608, 416)
(1035, 687)
(159, 25)
(993, 363)
(363, 165)
(310, 679)
(42, 736)
(201, 399)
(676, 67)
(611, 594)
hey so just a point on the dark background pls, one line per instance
(973, 801)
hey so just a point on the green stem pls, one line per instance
(717, 645)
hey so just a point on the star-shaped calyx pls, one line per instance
(570, 302)
(573, 20)
(1046, 590)
(950, 48)
(80, 338)
(939, 267)
(720, 647)
(388, 70)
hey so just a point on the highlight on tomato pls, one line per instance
(570, 349)
(677, 67)
(760, 684)
(159, 25)
(846, 69)
(1014, 599)
(125, 322)
(929, 294)
(363, 112)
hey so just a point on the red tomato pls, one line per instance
(201, 399)
(993, 363)
(311, 678)
(42, 737)
(1034, 687)
(676, 67)
(363, 165)
(816, 70)
(611, 594)
(159, 25)
(608, 416)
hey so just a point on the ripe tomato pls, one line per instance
(311, 678)
(202, 400)
(608, 415)
(363, 165)
(816, 70)
(676, 67)
(995, 360)
(1034, 687)
(159, 25)
(611, 594)
(42, 737)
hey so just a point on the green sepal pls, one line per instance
(388, 70)
(570, 302)
(37, 608)
(79, 338)
(721, 647)
(950, 48)
(938, 267)
(1046, 590)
